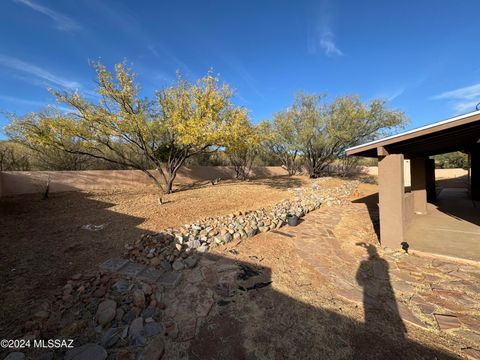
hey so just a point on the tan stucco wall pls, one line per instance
(373, 170)
(450, 173)
(27, 182)
(439, 173)
(408, 209)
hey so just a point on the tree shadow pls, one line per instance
(45, 242)
(455, 202)
(282, 182)
(192, 186)
(458, 182)
(255, 321)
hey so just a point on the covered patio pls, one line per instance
(434, 217)
(451, 226)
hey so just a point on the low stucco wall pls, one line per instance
(28, 182)
(450, 173)
(409, 209)
(439, 173)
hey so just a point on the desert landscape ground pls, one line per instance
(312, 291)
(51, 245)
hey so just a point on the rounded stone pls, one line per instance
(111, 337)
(139, 298)
(88, 351)
(178, 265)
(155, 261)
(15, 356)
(227, 237)
(154, 350)
(120, 286)
(106, 311)
(153, 328)
(136, 327)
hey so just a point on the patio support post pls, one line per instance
(475, 173)
(418, 171)
(391, 200)
(431, 189)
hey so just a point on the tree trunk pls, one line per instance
(170, 179)
(239, 172)
(291, 163)
(169, 185)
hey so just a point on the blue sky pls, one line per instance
(422, 56)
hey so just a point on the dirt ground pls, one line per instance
(43, 242)
(300, 314)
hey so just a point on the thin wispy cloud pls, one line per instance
(321, 36)
(466, 106)
(15, 100)
(34, 103)
(37, 72)
(118, 16)
(462, 99)
(464, 93)
(162, 76)
(327, 42)
(62, 22)
(394, 94)
(163, 53)
(153, 50)
(245, 76)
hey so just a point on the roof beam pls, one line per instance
(445, 126)
(382, 151)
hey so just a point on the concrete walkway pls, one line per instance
(451, 227)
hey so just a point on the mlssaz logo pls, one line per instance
(54, 343)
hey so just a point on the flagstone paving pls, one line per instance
(429, 292)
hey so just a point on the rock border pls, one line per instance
(177, 248)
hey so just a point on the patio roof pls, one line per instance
(457, 133)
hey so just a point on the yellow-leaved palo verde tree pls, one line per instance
(120, 127)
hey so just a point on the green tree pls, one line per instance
(282, 138)
(328, 129)
(13, 157)
(122, 128)
(453, 160)
(242, 145)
